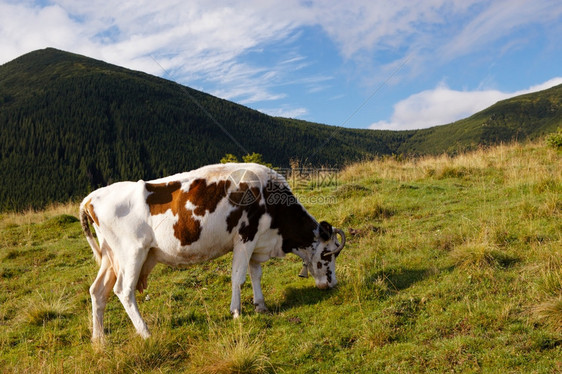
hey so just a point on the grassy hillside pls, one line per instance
(452, 265)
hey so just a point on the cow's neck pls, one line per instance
(296, 226)
(304, 253)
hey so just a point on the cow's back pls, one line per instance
(188, 217)
(199, 215)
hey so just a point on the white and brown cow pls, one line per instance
(197, 216)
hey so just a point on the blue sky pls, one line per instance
(397, 64)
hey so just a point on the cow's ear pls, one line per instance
(325, 231)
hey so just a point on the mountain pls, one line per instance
(69, 124)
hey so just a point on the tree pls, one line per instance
(555, 139)
(256, 158)
(229, 157)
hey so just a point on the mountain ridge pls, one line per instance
(522, 117)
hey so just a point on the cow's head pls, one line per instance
(320, 260)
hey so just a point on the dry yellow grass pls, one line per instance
(516, 163)
(34, 216)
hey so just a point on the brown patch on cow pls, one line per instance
(170, 196)
(207, 197)
(319, 265)
(187, 229)
(164, 196)
(91, 212)
(245, 199)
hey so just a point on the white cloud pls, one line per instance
(359, 25)
(194, 30)
(543, 86)
(207, 41)
(186, 42)
(23, 29)
(126, 33)
(443, 105)
(498, 20)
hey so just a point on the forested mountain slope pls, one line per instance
(69, 124)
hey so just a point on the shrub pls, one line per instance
(554, 140)
(254, 157)
(229, 157)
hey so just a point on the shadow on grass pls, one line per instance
(295, 297)
(390, 281)
(380, 284)
(403, 278)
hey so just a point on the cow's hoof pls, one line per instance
(261, 308)
(98, 343)
(235, 314)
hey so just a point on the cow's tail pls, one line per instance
(85, 220)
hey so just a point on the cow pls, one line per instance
(196, 216)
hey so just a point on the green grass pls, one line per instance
(452, 265)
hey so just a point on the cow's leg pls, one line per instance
(241, 259)
(100, 291)
(127, 280)
(255, 276)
